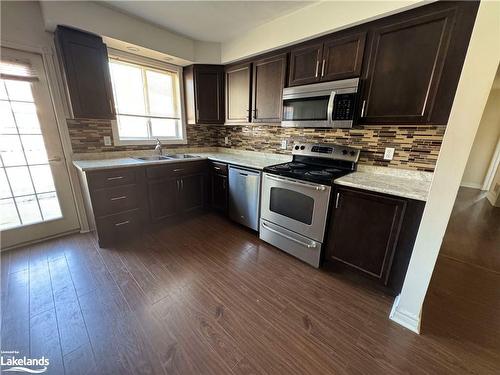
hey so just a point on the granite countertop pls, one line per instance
(398, 182)
(249, 159)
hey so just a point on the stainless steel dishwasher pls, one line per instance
(244, 196)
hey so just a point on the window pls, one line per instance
(148, 103)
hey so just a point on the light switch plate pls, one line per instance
(226, 140)
(389, 153)
(284, 144)
(107, 140)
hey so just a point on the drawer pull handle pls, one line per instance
(178, 169)
(115, 178)
(118, 198)
(122, 223)
(217, 168)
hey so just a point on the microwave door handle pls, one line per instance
(329, 110)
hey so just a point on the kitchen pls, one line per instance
(287, 152)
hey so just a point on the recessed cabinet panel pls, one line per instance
(268, 83)
(343, 57)
(305, 64)
(369, 244)
(238, 93)
(84, 61)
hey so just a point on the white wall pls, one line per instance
(314, 20)
(481, 63)
(484, 143)
(98, 19)
(22, 23)
(494, 192)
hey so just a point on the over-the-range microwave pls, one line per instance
(320, 105)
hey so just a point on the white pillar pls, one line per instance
(478, 73)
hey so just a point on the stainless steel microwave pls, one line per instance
(320, 105)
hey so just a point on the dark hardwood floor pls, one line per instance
(205, 296)
(462, 306)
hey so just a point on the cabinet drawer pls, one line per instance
(112, 228)
(178, 169)
(114, 200)
(111, 178)
(219, 168)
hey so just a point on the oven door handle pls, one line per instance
(329, 108)
(308, 245)
(301, 184)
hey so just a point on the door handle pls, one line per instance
(122, 223)
(329, 108)
(118, 198)
(302, 184)
(114, 178)
(363, 109)
(317, 69)
(182, 184)
(178, 169)
(308, 245)
(323, 68)
(244, 174)
(337, 200)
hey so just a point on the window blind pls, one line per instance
(17, 70)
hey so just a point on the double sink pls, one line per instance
(166, 157)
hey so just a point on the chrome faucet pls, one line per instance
(158, 148)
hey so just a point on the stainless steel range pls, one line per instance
(296, 197)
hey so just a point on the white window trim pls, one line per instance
(155, 64)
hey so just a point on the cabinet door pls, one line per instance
(343, 57)
(268, 83)
(238, 93)
(191, 192)
(364, 231)
(84, 61)
(218, 190)
(305, 64)
(163, 198)
(405, 66)
(209, 93)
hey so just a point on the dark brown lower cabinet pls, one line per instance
(218, 186)
(175, 188)
(218, 192)
(373, 233)
(162, 196)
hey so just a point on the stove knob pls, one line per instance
(344, 152)
(296, 147)
(352, 153)
(302, 147)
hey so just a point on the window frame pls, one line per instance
(160, 66)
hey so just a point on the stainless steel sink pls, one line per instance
(166, 157)
(154, 157)
(180, 156)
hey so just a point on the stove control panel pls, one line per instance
(330, 151)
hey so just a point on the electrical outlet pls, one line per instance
(226, 140)
(107, 140)
(389, 153)
(284, 144)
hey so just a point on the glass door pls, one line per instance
(35, 194)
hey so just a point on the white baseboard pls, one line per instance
(471, 185)
(408, 321)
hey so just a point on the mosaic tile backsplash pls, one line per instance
(416, 147)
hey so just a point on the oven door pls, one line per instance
(296, 205)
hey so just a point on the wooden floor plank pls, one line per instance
(203, 295)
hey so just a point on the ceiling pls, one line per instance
(210, 21)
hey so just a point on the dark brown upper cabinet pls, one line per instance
(84, 61)
(338, 57)
(414, 64)
(268, 82)
(304, 64)
(238, 93)
(204, 93)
